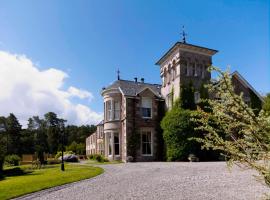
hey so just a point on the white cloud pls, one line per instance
(82, 94)
(27, 91)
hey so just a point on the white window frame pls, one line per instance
(109, 112)
(151, 113)
(116, 110)
(151, 142)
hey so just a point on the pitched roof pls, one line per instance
(132, 88)
(245, 82)
(185, 46)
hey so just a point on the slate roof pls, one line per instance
(132, 88)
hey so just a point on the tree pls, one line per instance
(266, 105)
(13, 129)
(177, 128)
(3, 142)
(187, 97)
(233, 128)
(37, 127)
(53, 126)
(77, 148)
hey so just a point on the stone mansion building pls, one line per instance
(133, 109)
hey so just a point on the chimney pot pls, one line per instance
(142, 80)
(136, 79)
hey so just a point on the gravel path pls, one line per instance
(161, 180)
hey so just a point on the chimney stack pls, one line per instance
(142, 80)
(136, 79)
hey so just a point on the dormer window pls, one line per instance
(146, 108)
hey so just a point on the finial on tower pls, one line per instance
(184, 34)
(118, 74)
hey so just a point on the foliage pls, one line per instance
(12, 160)
(13, 130)
(3, 143)
(161, 151)
(78, 149)
(55, 131)
(133, 142)
(177, 129)
(187, 97)
(266, 105)
(255, 102)
(235, 129)
(51, 176)
(59, 154)
(41, 136)
(98, 157)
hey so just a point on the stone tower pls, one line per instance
(182, 64)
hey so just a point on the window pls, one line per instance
(165, 77)
(146, 107)
(185, 68)
(116, 110)
(110, 143)
(199, 70)
(146, 143)
(116, 144)
(168, 76)
(109, 110)
(193, 69)
(173, 73)
(197, 97)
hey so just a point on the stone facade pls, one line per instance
(95, 142)
(181, 65)
(133, 110)
(131, 107)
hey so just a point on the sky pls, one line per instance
(57, 55)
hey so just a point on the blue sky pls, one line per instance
(89, 40)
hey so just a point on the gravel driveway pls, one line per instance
(161, 180)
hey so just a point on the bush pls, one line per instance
(59, 154)
(177, 129)
(98, 157)
(12, 160)
(77, 148)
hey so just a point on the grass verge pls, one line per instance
(21, 180)
(94, 162)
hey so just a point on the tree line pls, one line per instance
(42, 135)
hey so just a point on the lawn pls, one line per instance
(21, 180)
(94, 162)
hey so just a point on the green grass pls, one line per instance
(21, 180)
(94, 162)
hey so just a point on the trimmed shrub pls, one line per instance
(12, 160)
(98, 157)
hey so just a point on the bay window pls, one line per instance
(116, 144)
